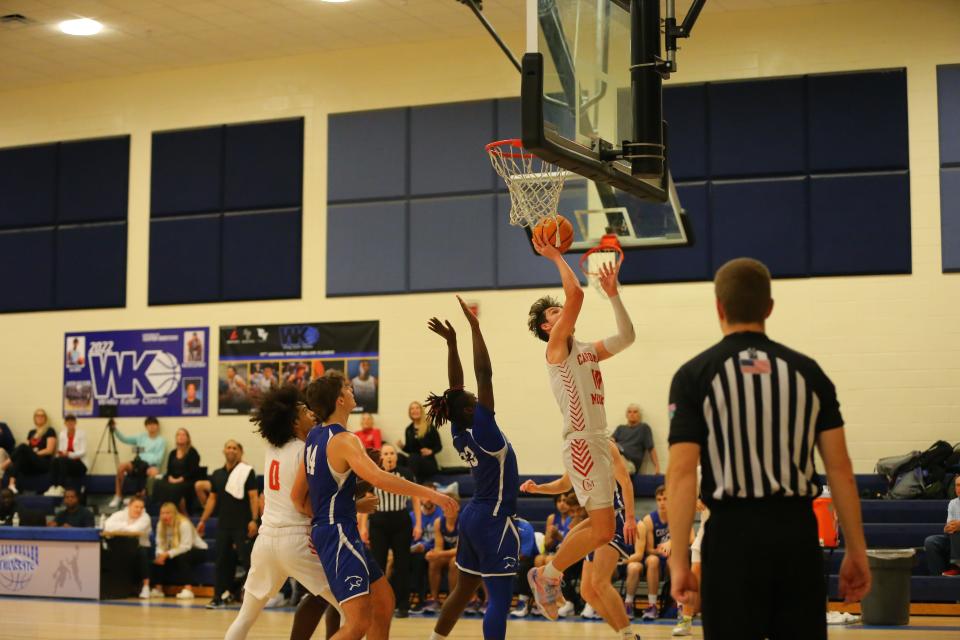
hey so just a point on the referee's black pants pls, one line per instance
(763, 572)
(393, 530)
(232, 546)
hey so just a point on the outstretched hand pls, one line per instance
(471, 316)
(529, 486)
(442, 329)
(546, 249)
(608, 278)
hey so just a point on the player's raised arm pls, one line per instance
(557, 348)
(482, 367)
(454, 367)
(624, 337)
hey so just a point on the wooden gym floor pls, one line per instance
(34, 618)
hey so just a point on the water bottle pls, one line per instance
(16, 519)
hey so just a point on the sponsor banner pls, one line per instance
(50, 568)
(153, 372)
(257, 358)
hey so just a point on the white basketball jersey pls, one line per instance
(280, 471)
(578, 388)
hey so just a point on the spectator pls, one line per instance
(69, 465)
(73, 513)
(429, 517)
(528, 556)
(179, 549)
(421, 444)
(33, 456)
(943, 549)
(635, 439)
(7, 443)
(183, 467)
(369, 435)
(558, 523)
(8, 507)
(634, 565)
(441, 558)
(391, 529)
(134, 521)
(234, 488)
(657, 527)
(148, 459)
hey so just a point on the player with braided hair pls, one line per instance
(489, 547)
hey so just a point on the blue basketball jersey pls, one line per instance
(617, 498)
(331, 494)
(493, 466)
(661, 530)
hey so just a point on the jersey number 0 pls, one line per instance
(274, 475)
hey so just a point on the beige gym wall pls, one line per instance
(891, 344)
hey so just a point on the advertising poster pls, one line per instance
(151, 372)
(257, 358)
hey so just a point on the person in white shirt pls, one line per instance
(179, 549)
(134, 522)
(282, 549)
(69, 463)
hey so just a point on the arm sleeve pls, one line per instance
(125, 439)
(829, 416)
(251, 483)
(485, 430)
(647, 437)
(686, 418)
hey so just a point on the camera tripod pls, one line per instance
(111, 445)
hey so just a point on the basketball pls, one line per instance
(555, 230)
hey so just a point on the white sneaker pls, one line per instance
(276, 601)
(145, 592)
(114, 502)
(157, 593)
(54, 492)
(185, 594)
(13, 488)
(588, 613)
(566, 610)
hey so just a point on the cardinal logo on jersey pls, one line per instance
(354, 582)
(468, 456)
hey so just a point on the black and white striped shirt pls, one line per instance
(392, 501)
(755, 408)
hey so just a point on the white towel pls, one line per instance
(238, 478)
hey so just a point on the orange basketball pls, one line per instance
(555, 230)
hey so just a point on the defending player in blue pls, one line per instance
(489, 545)
(324, 489)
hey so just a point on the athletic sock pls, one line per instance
(551, 572)
(652, 600)
(626, 633)
(437, 636)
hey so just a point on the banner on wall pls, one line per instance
(257, 358)
(151, 372)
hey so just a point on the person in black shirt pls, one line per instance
(73, 513)
(183, 467)
(749, 411)
(236, 518)
(33, 456)
(421, 444)
(8, 507)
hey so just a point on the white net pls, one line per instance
(534, 184)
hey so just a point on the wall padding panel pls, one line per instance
(28, 186)
(367, 248)
(948, 100)
(93, 179)
(367, 155)
(27, 256)
(447, 148)
(950, 217)
(452, 241)
(263, 165)
(185, 259)
(686, 109)
(275, 238)
(187, 172)
(91, 266)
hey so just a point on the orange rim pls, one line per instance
(496, 148)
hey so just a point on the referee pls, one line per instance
(749, 411)
(392, 529)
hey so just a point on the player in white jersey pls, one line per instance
(574, 369)
(282, 549)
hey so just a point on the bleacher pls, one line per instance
(887, 523)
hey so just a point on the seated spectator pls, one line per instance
(183, 467)
(528, 554)
(8, 507)
(73, 513)
(233, 489)
(69, 465)
(179, 549)
(419, 548)
(634, 568)
(147, 462)
(943, 549)
(441, 558)
(369, 435)
(635, 440)
(657, 527)
(558, 523)
(134, 522)
(33, 456)
(7, 443)
(421, 444)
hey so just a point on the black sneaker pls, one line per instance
(402, 613)
(216, 603)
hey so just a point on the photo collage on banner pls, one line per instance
(257, 358)
(151, 372)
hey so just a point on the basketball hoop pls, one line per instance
(608, 252)
(534, 184)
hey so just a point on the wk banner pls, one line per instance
(154, 372)
(257, 358)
